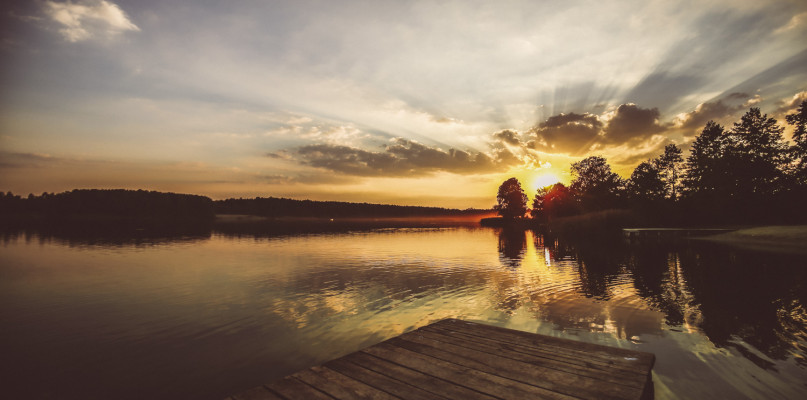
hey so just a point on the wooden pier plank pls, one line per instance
(381, 381)
(631, 359)
(572, 365)
(422, 380)
(340, 386)
(564, 354)
(458, 359)
(536, 375)
(539, 341)
(475, 379)
(293, 389)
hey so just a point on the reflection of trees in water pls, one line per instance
(557, 250)
(598, 262)
(126, 236)
(728, 294)
(600, 271)
(657, 277)
(758, 297)
(512, 244)
(600, 267)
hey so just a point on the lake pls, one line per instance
(213, 314)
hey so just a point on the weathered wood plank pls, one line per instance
(258, 393)
(293, 389)
(454, 359)
(547, 378)
(426, 382)
(541, 341)
(632, 359)
(380, 381)
(483, 382)
(339, 386)
(561, 360)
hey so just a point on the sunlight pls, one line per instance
(545, 179)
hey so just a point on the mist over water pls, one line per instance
(208, 315)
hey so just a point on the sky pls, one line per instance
(430, 103)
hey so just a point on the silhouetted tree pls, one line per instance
(758, 154)
(706, 167)
(668, 165)
(511, 201)
(646, 185)
(799, 149)
(595, 185)
(553, 201)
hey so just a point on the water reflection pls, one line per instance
(77, 236)
(753, 297)
(512, 244)
(251, 308)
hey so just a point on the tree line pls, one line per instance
(141, 204)
(744, 174)
(274, 207)
(100, 203)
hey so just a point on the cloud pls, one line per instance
(403, 157)
(567, 133)
(508, 136)
(631, 122)
(629, 156)
(25, 160)
(715, 110)
(277, 179)
(796, 22)
(790, 104)
(88, 19)
(577, 134)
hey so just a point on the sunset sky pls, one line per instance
(402, 102)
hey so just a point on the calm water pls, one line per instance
(204, 317)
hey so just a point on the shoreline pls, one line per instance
(778, 238)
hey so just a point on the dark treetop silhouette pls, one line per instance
(511, 201)
(744, 175)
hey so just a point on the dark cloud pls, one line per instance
(631, 122)
(567, 133)
(714, 110)
(508, 136)
(706, 112)
(279, 155)
(404, 158)
(575, 134)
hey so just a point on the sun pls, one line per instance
(545, 179)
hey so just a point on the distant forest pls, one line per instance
(279, 207)
(101, 204)
(746, 174)
(98, 206)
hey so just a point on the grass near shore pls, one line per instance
(786, 238)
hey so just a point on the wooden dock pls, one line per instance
(453, 359)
